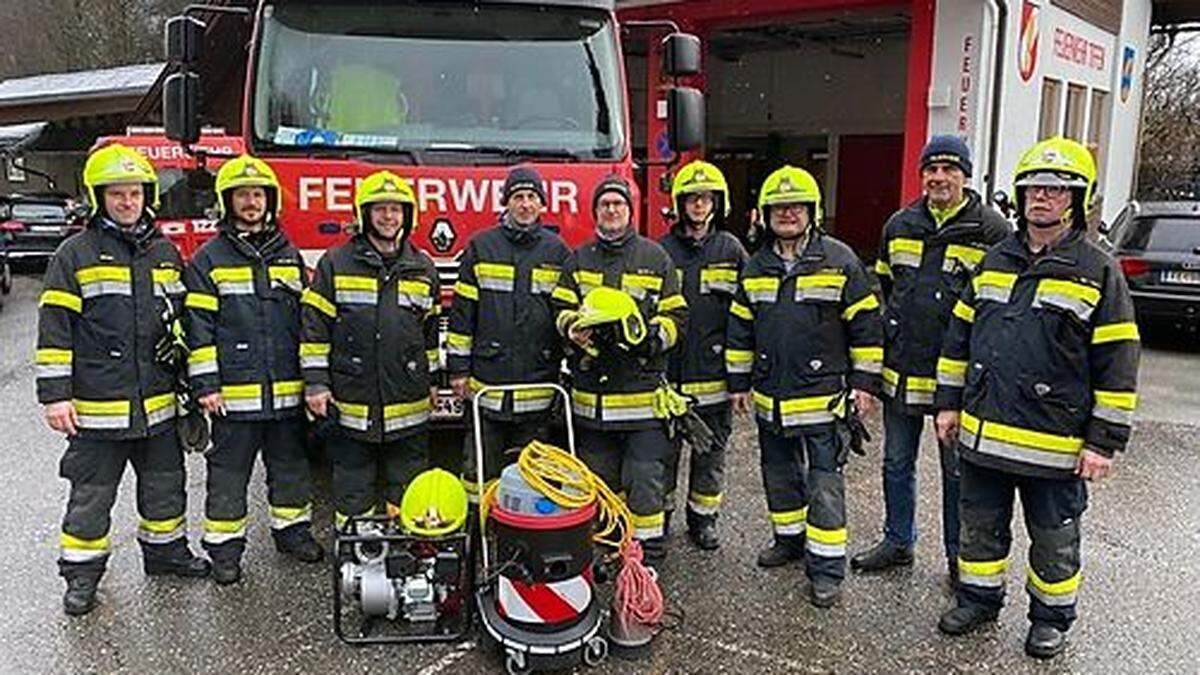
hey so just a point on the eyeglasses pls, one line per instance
(795, 207)
(613, 204)
(1051, 191)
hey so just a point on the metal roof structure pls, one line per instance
(58, 96)
(14, 137)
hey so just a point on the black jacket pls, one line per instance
(370, 335)
(708, 270)
(800, 338)
(501, 324)
(1042, 358)
(923, 269)
(101, 314)
(615, 391)
(243, 324)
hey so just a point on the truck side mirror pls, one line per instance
(681, 55)
(685, 119)
(181, 107)
(185, 40)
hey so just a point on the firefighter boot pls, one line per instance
(226, 561)
(297, 542)
(702, 531)
(882, 556)
(824, 593)
(785, 549)
(1045, 641)
(174, 559)
(965, 618)
(80, 597)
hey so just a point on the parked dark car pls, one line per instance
(33, 225)
(1158, 247)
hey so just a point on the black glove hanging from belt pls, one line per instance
(850, 429)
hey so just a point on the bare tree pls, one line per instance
(1170, 153)
(65, 35)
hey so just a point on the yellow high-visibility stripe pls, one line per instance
(196, 300)
(641, 281)
(627, 400)
(1070, 289)
(969, 256)
(353, 409)
(710, 387)
(904, 245)
(225, 526)
(158, 402)
(405, 409)
(806, 404)
(203, 354)
(564, 294)
(788, 517)
(739, 356)
(821, 536)
(221, 275)
(984, 568)
(1122, 400)
(318, 302)
(1115, 332)
(459, 340)
(1038, 440)
(883, 269)
(102, 408)
(1004, 280)
(589, 278)
(925, 384)
(952, 366)
(821, 280)
(414, 287)
(62, 299)
(241, 391)
(72, 542)
(671, 303)
(964, 311)
(51, 356)
(719, 274)
(868, 303)
(164, 275)
(161, 526)
(741, 311)
(866, 354)
(315, 348)
(760, 284)
(351, 282)
(283, 273)
(495, 271)
(287, 387)
(704, 500)
(669, 329)
(90, 275)
(466, 290)
(652, 520)
(1064, 587)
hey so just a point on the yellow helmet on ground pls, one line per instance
(434, 504)
(385, 186)
(701, 176)
(610, 307)
(116, 164)
(790, 185)
(247, 171)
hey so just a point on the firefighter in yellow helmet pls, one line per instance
(805, 341)
(709, 260)
(372, 376)
(1051, 300)
(107, 392)
(243, 332)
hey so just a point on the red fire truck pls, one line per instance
(185, 189)
(448, 94)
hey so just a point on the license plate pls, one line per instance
(1182, 277)
(46, 229)
(448, 407)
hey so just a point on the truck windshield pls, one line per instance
(428, 80)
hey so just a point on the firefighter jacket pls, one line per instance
(1042, 357)
(243, 323)
(708, 270)
(798, 339)
(615, 390)
(923, 268)
(109, 297)
(370, 335)
(501, 324)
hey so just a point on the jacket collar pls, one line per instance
(1065, 251)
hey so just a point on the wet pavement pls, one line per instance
(1138, 602)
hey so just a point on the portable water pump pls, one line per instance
(412, 569)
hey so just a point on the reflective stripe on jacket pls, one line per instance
(1042, 357)
(99, 319)
(923, 268)
(243, 324)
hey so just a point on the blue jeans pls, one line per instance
(902, 438)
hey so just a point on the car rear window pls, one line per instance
(38, 212)
(1164, 234)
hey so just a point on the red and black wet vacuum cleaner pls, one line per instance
(539, 525)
